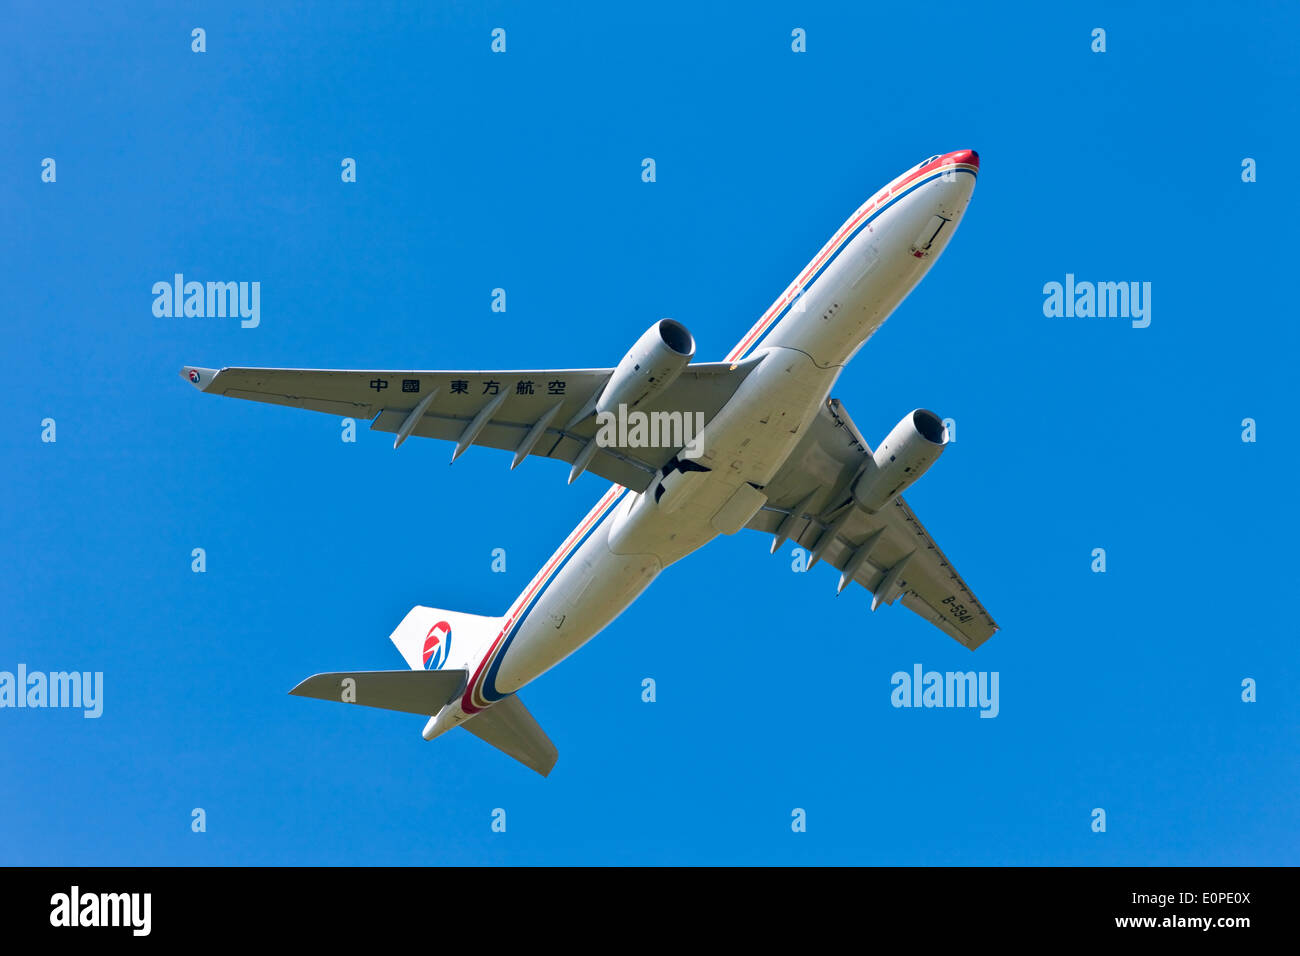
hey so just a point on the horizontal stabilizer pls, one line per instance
(508, 726)
(413, 692)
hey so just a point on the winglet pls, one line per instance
(200, 378)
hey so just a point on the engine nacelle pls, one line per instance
(653, 364)
(913, 446)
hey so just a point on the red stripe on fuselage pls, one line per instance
(959, 158)
(894, 188)
(522, 601)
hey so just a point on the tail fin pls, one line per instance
(430, 638)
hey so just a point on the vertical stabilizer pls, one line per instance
(433, 639)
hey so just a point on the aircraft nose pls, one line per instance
(949, 195)
(965, 156)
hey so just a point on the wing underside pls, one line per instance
(538, 412)
(889, 552)
(541, 412)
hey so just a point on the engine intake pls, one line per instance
(653, 364)
(907, 452)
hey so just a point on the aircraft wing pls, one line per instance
(526, 412)
(890, 553)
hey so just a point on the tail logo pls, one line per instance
(437, 644)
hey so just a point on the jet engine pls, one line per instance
(651, 366)
(912, 447)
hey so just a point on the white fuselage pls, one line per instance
(801, 345)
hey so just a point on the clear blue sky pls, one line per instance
(475, 171)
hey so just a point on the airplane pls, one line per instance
(776, 453)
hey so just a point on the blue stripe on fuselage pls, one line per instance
(489, 683)
(844, 245)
